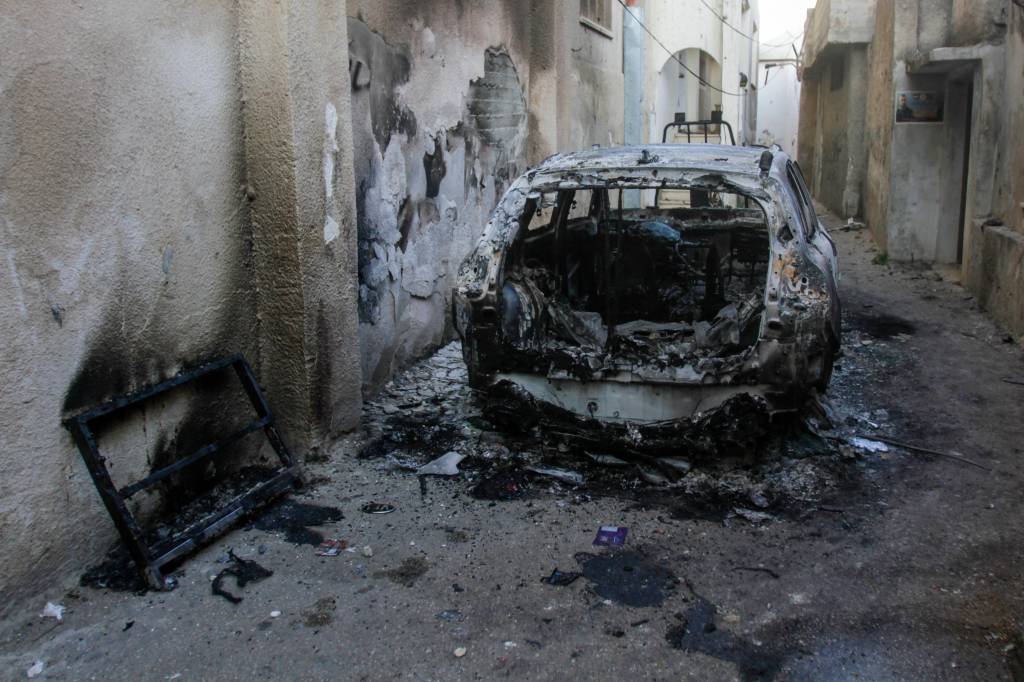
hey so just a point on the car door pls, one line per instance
(820, 247)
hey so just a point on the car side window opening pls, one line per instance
(543, 210)
(806, 206)
(625, 269)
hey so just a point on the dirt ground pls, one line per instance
(821, 561)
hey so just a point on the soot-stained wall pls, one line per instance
(125, 250)
(440, 121)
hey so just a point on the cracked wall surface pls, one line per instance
(444, 98)
(439, 123)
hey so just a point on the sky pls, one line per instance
(783, 20)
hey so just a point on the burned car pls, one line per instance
(656, 299)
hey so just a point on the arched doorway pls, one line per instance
(679, 90)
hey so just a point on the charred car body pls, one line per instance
(659, 298)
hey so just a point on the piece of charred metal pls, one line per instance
(713, 305)
(151, 556)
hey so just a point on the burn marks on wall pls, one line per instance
(434, 168)
(381, 69)
(424, 189)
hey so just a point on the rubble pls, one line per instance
(244, 571)
(781, 469)
(445, 465)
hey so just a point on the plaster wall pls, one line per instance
(1013, 194)
(977, 21)
(879, 123)
(926, 176)
(126, 249)
(807, 138)
(450, 103)
(836, 23)
(994, 264)
(839, 153)
(778, 105)
(833, 152)
(684, 26)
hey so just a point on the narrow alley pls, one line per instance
(825, 561)
(512, 339)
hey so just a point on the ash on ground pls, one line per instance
(430, 411)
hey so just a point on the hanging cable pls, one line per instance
(677, 59)
(748, 37)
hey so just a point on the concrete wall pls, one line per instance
(837, 23)
(972, 52)
(691, 26)
(879, 122)
(833, 106)
(136, 190)
(451, 101)
(778, 105)
(994, 259)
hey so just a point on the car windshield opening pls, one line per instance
(683, 275)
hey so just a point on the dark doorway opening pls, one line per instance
(964, 177)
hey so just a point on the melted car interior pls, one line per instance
(684, 276)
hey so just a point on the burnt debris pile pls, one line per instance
(739, 467)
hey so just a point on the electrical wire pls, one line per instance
(722, 19)
(677, 59)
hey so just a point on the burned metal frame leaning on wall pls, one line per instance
(150, 558)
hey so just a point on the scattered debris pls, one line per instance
(367, 551)
(445, 465)
(611, 536)
(331, 547)
(36, 669)
(852, 225)
(294, 519)
(564, 475)
(758, 569)
(505, 484)
(930, 451)
(450, 616)
(52, 610)
(244, 571)
(751, 516)
(116, 572)
(460, 652)
(608, 460)
(275, 614)
(638, 623)
(868, 444)
(377, 508)
(561, 578)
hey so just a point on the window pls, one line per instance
(580, 207)
(543, 211)
(806, 205)
(597, 14)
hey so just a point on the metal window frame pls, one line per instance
(150, 559)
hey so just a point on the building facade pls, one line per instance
(833, 102)
(700, 57)
(451, 102)
(911, 117)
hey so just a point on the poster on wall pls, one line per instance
(918, 106)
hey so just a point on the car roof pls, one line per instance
(709, 157)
